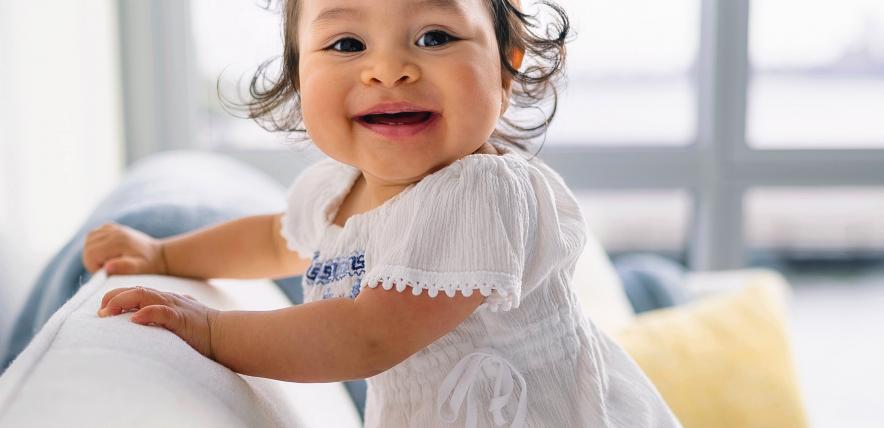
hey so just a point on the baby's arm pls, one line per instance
(336, 339)
(329, 340)
(249, 247)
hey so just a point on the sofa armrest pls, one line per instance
(80, 369)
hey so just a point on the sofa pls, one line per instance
(717, 348)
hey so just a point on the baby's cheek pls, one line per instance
(323, 107)
(324, 121)
(311, 107)
(479, 97)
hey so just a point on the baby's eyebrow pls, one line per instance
(333, 13)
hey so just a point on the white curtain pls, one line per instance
(61, 139)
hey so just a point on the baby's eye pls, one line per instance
(434, 38)
(347, 44)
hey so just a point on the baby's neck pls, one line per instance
(365, 196)
(487, 149)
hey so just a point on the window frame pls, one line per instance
(158, 74)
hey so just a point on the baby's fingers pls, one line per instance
(94, 256)
(111, 294)
(133, 298)
(160, 315)
(124, 265)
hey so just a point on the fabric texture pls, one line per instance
(508, 228)
(722, 361)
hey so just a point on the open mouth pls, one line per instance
(401, 125)
(396, 119)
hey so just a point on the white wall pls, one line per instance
(60, 130)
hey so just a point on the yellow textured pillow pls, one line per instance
(722, 361)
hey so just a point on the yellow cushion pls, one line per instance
(722, 361)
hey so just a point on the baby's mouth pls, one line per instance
(396, 119)
(401, 125)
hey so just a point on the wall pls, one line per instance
(60, 130)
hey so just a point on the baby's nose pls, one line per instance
(390, 71)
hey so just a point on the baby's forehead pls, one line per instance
(324, 9)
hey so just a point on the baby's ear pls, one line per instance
(516, 62)
(518, 54)
(516, 57)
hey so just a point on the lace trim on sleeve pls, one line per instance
(501, 290)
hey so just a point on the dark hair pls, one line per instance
(275, 101)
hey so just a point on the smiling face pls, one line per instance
(429, 70)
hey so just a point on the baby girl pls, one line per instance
(436, 253)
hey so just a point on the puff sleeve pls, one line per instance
(466, 229)
(307, 203)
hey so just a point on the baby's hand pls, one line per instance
(123, 250)
(182, 315)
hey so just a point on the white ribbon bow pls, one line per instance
(458, 385)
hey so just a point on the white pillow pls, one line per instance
(81, 370)
(599, 290)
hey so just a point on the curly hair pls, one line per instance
(275, 102)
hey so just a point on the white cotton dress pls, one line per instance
(500, 225)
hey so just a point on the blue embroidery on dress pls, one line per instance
(324, 273)
(356, 288)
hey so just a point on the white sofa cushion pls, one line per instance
(599, 290)
(81, 370)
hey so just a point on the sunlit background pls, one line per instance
(748, 137)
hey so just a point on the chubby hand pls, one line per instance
(124, 251)
(180, 314)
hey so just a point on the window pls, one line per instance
(631, 220)
(817, 74)
(231, 38)
(631, 74)
(816, 222)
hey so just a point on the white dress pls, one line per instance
(500, 225)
